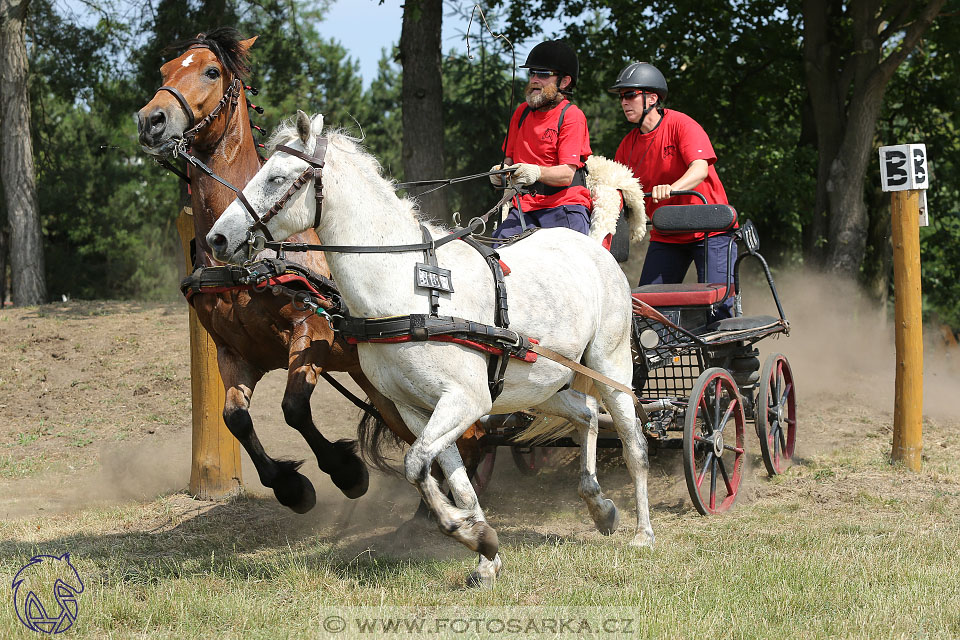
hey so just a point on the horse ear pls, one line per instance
(303, 126)
(246, 44)
(316, 123)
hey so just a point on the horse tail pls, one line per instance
(373, 435)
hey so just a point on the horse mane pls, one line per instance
(224, 42)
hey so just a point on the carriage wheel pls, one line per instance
(484, 472)
(529, 460)
(777, 414)
(712, 455)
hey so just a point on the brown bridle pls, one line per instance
(313, 172)
(231, 96)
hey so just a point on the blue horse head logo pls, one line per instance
(47, 581)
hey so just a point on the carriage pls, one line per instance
(697, 379)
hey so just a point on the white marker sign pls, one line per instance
(903, 167)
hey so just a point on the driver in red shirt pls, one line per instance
(547, 144)
(668, 151)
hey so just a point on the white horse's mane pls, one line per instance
(365, 162)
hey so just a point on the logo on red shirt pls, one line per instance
(549, 135)
(669, 150)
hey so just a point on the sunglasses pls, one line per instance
(630, 95)
(540, 73)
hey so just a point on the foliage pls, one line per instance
(735, 66)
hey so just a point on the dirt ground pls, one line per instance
(95, 409)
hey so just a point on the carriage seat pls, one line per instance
(694, 294)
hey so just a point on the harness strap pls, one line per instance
(365, 406)
(550, 354)
(430, 257)
(294, 247)
(422, 327)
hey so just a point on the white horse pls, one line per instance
(564, 290)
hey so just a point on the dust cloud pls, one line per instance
(841, 344)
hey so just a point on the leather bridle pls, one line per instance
(314, 171)
(231, 96)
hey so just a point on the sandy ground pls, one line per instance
(95, 409)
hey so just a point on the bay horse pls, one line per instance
(257, 332)
(565, 290)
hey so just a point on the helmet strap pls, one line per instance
(656, 105)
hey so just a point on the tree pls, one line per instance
(851, 51)
(16, 158)
(422, 98)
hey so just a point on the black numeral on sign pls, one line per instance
(919, 167)
(896, 162)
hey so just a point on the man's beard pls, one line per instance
(549, 94)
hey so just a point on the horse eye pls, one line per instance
(212, 73)
(278, 179)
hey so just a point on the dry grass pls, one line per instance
(843, 545)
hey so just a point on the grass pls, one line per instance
(843, 545)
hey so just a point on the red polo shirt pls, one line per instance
(663, 155)
(537, 141)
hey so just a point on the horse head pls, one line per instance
(275, 193)
(201, 90)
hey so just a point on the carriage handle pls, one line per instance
(647, 194)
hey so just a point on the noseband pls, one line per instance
(313, 172)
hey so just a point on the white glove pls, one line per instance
(496, 180)
(524, 174)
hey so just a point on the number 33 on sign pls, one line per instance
(904, 167)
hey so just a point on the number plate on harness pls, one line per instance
(429, 277)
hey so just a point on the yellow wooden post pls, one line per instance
(904, 172)
(908, 399)
(215, 459)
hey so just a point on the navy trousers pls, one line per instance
(667, 263)
(573, 216)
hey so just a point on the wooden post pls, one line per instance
(904, 172)
(215, 460)
(908, 401)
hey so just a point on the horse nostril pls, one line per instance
(218, 242)
(158, 121)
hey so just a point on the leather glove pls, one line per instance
(524, 174)
(496, 180)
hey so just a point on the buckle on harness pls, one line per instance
(418, 327)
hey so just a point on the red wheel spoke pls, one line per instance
(732, 448)
(726, 415)
(703, 472)
(713, 484)
(786, 393)
(717, 396)
(726, 478)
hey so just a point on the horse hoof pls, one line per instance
(476, 580)
(609, 519)
(485, 575)
(643, 540)
(354, 483)
(296, 493)
(351, 475)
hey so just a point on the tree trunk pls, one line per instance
(422, 100)
(846, 84)
(4, 245)
(16, 159)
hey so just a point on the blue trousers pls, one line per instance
(572, 216)
(667, 263)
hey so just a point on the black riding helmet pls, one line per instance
(554, 55)
(645, 77)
